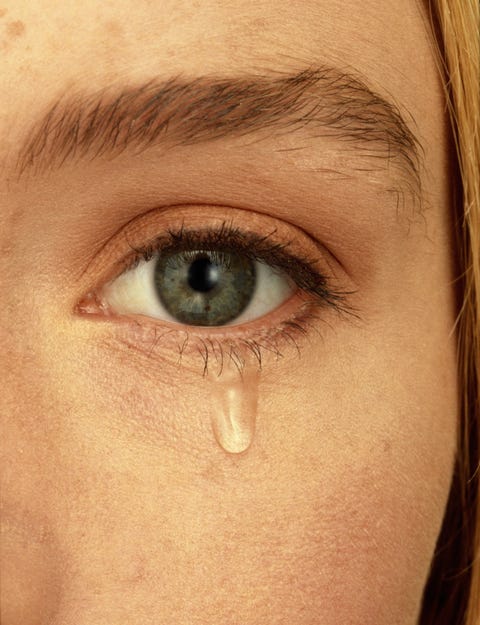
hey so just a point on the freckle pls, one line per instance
(3, 12)
(259, 23)
(114, 28)
(16, 29)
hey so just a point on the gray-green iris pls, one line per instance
(205, 288)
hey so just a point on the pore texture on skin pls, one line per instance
(294, 466)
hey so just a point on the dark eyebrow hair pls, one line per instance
(324, 100)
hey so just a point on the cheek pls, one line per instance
(31, 580)
(334, 510)
(367, 446)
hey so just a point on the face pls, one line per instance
(228, 359)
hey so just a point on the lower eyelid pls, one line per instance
(265, 339)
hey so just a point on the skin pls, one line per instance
(118, 504)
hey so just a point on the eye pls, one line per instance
(200, 287)
(210, 281)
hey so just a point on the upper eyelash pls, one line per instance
(261, 248)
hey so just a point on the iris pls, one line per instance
(205, 288)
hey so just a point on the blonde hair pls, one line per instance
(452, 594)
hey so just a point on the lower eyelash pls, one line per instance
(216, 354)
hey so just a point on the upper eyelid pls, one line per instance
(141, 235)
(212, 240)
(301, 270)
(141, 232)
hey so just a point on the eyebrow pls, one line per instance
(181, 112)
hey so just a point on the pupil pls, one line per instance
(202, 275)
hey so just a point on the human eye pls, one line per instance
(222, 283)
(209, 278)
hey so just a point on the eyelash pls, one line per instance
(263, 248)
(229, 238)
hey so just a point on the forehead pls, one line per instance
(47, 43)
(50, 48)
